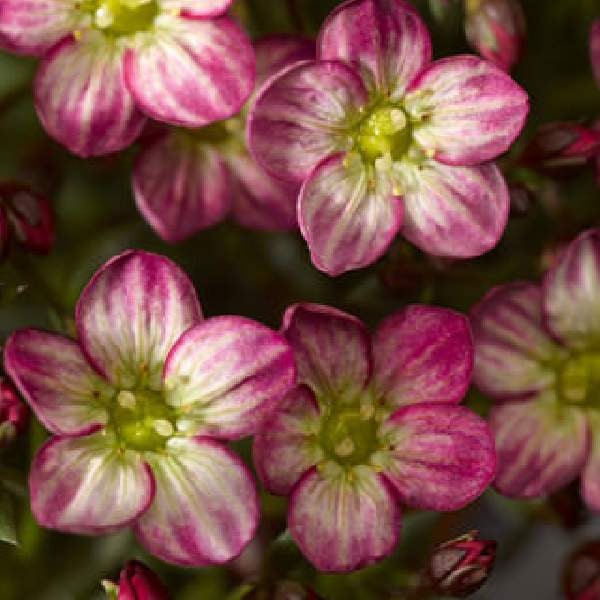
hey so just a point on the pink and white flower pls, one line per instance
(537, 355)
(384, 140)
(107, 64)
(139, 406)
(374, 422)
(185, 180)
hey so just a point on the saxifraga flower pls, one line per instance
(384, 140)
(537, 355)
(373, 423)
(138, 407)
(106, 64)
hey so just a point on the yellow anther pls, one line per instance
(126, 399)
(164, 427)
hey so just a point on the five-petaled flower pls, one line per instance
(137, 407)
(186, 180)
(537, 354)
(373, 423)
(385, 140)
(106, 64)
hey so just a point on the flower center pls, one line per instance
(579, 380)
(142, 420)
(124, 17)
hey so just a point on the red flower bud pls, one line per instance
(136, 582)
(496, 29)
(460, 567)
(14, 414)
(581, 577)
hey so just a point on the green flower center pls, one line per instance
(142, 420)
(124, 17)
(579, 380)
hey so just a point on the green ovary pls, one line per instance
(579, 380)
(384, 132)
(124, 17)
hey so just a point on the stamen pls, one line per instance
(126, 399)
(104, 17)
(345, 447)
(163, 427)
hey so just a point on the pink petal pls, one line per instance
(458, 212)
(344, 521)
(196, 8)
(472, 111)
(81, 98)
(590, 478)
(332, 348)
(287, 445)
(387, 42)
(442, 456)
(347, 220)
(542, 445)
(572, 292)
(193, 72)
(595, 49)
(513, 351)
(423, 354)
(228, 374)
(88, 485)
(55, 378)
(34, 26)
(131, 313)
(206, 507)
(180, 186)
(302, 115)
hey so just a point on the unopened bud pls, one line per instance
(521, 199)
(14, 414)
(581, 576)
(136, 582)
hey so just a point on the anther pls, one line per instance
(163, 427)
(126, 399)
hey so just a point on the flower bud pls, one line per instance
(460, 567)
(14, 414)
(521, 199)
(581, 576)
(136, 582)
(496, 29)
(282, 590)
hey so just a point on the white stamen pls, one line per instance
(398, 119)
(163, 427)
(126, 399)
(345, 447)
(104, 17)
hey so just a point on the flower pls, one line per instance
(374, 422)
(106, 64)
(185, 180)
(136, 582)
(537, 356)
(382, 139)
(14, 415)
(581, 576)
(138, 406)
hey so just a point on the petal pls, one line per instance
(88, 485)
(81, 98)
(458, 212)
(34, 26)
(206, 507)
(196, 8)
(56, 380)
(131, 313)
(513, 351)
(302, 115)
(261, 201)
(332, 348)
(191, 72)
(423, 354)
(590, 478)
(287, 445)
(229, 374)
(180, 186)
(472, 111)
(572, 292)
(347, 222)
(277, 51)
(595, 49)
(344, 521)
(442, 455)
(542, 445)
(387, 42)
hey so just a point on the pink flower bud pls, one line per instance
(460, 567)
(14, 414)
(581, 578)
(496, 29)
(138, 582)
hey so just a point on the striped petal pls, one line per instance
(344, 521)
(423, 354)
(180, 186)
(81, 97)
(206, 507)
(572, 293)
(442, 456)
(131, 313)
(332, 348)
(33, 26)
(590, 478)
(88, 485)
(595, 49)
(458, 212)
(542, 445)
(287, 445)
(302, 116)
(387, 42)
(228, 374)
(196, 8)
(55, 378)
(514, 354)
(191, 72)
(347, 220)
(471, 110)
